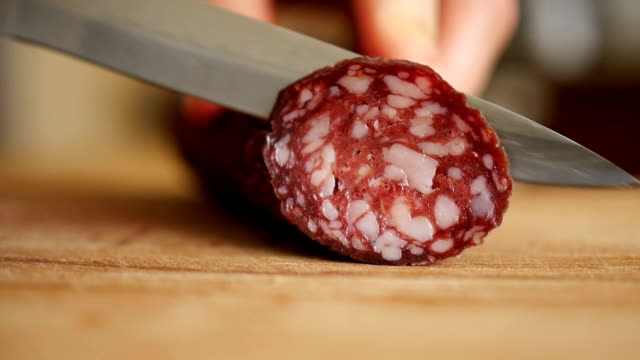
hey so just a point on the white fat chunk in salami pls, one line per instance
(329, 154)
(469, 233)
(358, 244)
(301, 200)
(418, 227)
(475, 234)
(356, 84)
(481, 203)
(421, 127)
(478, 185)
(305, 95)
(487, 160)
(424, 84)
(395, 173)
(372, 113)
(502, 184)
(357, 208)
(282, 150)
(312, 226)
(399, 102)
(477, 237)
(369, 227)
(442, 245)
(329, 211)
(389, 111)
(334, 233)
(416, 250)
(359, 130)
(313, 145)
(390, 245)
(430, 108)
(329, 157)
(328, 186)
(446, 212)
(454, 173)
(292, 115)
(361, 109)
(403, 88)
(319, 176)
(335, 224)
(461, 124)
(323, 176)
(419, 168)
(454, 147)
(316, 134)
(363, 171)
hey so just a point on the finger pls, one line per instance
(468, 37)
(257, 9)
(473, 34)
(404, 29)
(198, 110)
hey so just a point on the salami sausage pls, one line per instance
(383, 161)
(225, 151)
(379, 160)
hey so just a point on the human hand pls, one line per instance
(468, 40)
(463, 47)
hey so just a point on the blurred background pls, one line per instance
(574, 65)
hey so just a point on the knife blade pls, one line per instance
(203, 50)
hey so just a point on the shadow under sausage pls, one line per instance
(129, 219)
(273, 230)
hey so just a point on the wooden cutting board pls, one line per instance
(117, 259)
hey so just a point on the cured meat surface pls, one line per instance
(382, 161)
(225, 150)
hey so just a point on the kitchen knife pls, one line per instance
(209, 52)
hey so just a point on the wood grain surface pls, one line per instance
(118, 259)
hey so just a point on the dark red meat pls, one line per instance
(382, 161)
(225, 150)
